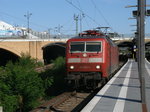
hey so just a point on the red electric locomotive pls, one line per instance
(90, 58)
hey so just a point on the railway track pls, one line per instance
(68, 101)
(65, 102)
(42, 69)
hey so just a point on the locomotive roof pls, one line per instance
(89, 37)
(95, 37)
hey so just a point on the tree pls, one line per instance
(7, 99)
(20, 85)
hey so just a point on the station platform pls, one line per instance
(122, 92)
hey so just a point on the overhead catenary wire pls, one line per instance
(33, 24)
(20, 19)
(81, 17)
(99, 11)
(79, 9)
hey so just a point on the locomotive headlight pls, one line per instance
(72, 67)
(98, 67)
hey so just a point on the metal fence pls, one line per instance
(44, 35)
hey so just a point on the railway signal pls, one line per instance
(135, 13)
(147, 12)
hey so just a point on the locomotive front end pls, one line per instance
(84, 60)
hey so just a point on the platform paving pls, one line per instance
(122, 92)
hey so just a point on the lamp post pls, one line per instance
(28, 15)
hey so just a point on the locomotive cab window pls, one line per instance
(85, 47)
(93, 46)
(77, 47)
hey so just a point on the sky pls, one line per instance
(54, 14)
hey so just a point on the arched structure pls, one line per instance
(37, 48)
(52, 51)
(126, 48)
(10, 49)
(32, 47)
(6, 56)
(147, 50)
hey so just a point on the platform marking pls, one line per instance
(119, 106)
(90, 106)
(148, 70)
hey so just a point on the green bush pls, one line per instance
(20, 85)
(57, 74)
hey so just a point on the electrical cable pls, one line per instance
(82, 12)
(101, 14)
(35, 24)
(82, 15)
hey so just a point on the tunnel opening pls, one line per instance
(126, 50)
(147, 50)
(53, 51)
(6, 56)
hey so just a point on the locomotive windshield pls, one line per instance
(85, 47)
(77, 46)
(93, 46)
